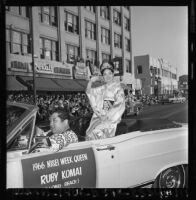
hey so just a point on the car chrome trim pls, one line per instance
(144, 184)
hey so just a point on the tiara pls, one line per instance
(106, 67)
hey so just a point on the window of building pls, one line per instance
(19, 10)
(71, 23)
(151, 80)
(117, 40)
(91, 55)
(174, 76)
(8, 39)
(128, 66)
(139, 69)
(90, 30)
(127, 24)
(127, 44)
(72, 53)
(90, 8)
(106, 56)
(49, 49)
(105, 36)
(117, 17)
(127, 7)
(104, 12)
(18, 43)
(48, 15)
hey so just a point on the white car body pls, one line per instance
(134, 159)
(177, 100)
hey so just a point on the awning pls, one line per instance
(13, 84)
(82, 83)
(43, 84)
(51, 84)
(69, 84)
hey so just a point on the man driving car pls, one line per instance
(60, 135)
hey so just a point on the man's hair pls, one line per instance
(62, 113)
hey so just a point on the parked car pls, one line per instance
(133, 108)
(139, 155)
(171, 99)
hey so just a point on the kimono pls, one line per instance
(106, 100)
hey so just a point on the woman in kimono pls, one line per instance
(107, 102)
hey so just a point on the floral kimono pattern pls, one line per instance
(109, 101)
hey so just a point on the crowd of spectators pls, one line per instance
(76, 104)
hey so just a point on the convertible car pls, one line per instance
(139, 155)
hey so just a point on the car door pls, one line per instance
(16, 149)
(73, 166)
(107, 162)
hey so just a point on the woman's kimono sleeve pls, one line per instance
(95, 96)
(115, 113)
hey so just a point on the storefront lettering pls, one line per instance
(44, 68)
(16, 65)
(60, 70)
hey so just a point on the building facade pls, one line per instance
(58, 36)
(157, 76)
(183, 85)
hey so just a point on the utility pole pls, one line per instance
(32, 53)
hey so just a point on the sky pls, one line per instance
(161, 32)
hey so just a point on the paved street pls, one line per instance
(174, 112)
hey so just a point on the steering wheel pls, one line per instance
(40, 142)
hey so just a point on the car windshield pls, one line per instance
(13, 114)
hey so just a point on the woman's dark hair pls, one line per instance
(110, 63)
